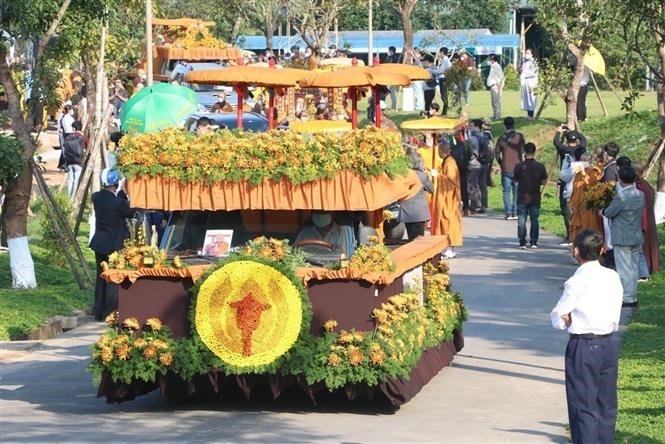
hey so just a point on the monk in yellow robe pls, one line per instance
(447, 214)
(581, 218)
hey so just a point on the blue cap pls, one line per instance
(110, 177)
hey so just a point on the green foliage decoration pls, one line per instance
(129, 351)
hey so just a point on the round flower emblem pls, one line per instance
(248, 313)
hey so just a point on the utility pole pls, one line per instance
(148, 41)
(370, 39)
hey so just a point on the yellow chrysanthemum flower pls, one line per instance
(166, 359)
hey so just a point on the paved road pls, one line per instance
(506, 385)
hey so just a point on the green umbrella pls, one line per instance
(157, 107)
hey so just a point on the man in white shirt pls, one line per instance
(589, 308)
(495, 82)
(444, 66)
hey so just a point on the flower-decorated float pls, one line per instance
(379, 320)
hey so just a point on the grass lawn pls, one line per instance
(641, 416)
(21, 311)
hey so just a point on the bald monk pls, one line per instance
(581, 218)
(447, 203)
(650, 248)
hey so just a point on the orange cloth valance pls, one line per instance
(405, 258)
(174, 53)
(118, 276)
(346, 191)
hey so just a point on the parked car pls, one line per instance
(207, 95)
(250, 121)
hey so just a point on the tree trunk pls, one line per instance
(237, 24)
(574, 88)
(270, 31)
(18, 193)
(659, 209)
(90, 91)
(407, 30)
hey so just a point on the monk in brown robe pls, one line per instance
(580, 217)
(447, 214)
(650, 247)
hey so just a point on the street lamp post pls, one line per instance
(148, 41)
(370, 39)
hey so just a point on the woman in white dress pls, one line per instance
(418, 93)
(528, 84)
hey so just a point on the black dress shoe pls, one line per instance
(629, 304)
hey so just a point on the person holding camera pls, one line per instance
(432, 111)
(111, 212)
(572, 143)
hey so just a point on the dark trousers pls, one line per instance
(106, 294)
(463, 184)
(429, 97)
(565, 212)
(415, 229)
(443, 90)
(591, 388)
(483, 181)
(581, 103)
(533, 212)
(474, 176)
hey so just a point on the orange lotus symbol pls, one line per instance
(248, 317)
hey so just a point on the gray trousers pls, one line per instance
(495, 93)
(626, 257)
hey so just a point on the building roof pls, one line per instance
(357, 41)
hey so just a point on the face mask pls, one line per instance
(321, 220)
(528, 56)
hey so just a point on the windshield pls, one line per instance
(201, 88)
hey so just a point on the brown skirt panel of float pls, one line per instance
(350, 303)
(217, 385)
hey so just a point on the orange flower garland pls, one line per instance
(234, 156)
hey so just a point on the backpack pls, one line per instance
(73, 150)
(432, 82)
(472, 153)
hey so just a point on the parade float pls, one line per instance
(380, 321)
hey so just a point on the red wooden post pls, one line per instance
(377, 106)
(240, 91)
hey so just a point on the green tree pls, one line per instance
(460, 14)
(643, 30)
(585, 22)
(313, 19)
(38, 21)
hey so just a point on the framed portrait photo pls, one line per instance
(217, 243)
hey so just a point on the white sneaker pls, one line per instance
(449, 254)
(566, 244)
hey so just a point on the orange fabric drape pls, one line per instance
(173, 53)
(347, 191)
(448, 201)
(405, 258)
(581, 218)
